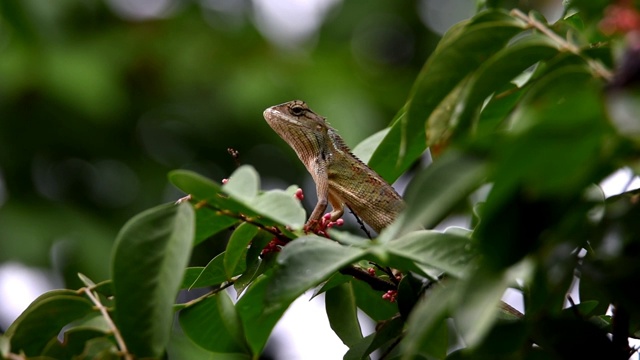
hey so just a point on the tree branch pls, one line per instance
(110, 323)
(375, 282)
(597, 66)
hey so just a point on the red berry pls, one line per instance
(390, 295)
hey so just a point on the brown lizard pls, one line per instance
(340, 177)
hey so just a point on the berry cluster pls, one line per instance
(273, 246)
(620, 18)
(325, 224)
(390, 295)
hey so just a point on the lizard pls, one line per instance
(341, 179)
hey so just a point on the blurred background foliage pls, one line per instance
(99, 99)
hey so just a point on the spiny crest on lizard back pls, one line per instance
(339, 143)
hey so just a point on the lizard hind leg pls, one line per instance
(337, 207)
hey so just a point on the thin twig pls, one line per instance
(387, 270)
(235, 154)
(360, 222)
(110, 323)
(510, 309)
(208, 295)
(574, 308)
(374, 282)
(595, 65)
(270, 229)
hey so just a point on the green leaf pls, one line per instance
(103, 288)
(281, 207)
(361, 350)
(190, 276)
(181, 347)
(426, 332)
(480, 308)
(303, 264)
(443, 120)
(385, 158)
(210, 222)
(561, 130)
(462, 50)
(589, 290)
(204, 190)
(497, 71)
(371, 302)
(255, 264)
(212, 274)
(349, 239)
(387, 332)
(86, 281)
(480, 296)
(340, 303)
(243, 184)
(448, 252)
(100, 348)
(335, 280)
(365, 149)
(44, 319)
(496, 111)
(76, 336)
(256, 321)
(236, 251)
(73, 344)
(210, 194)
(214, 325)
(409, 293)
(504, 340)
(541, 110)
(575, 338)
(150, 256)
(442, 185)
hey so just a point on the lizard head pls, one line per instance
(305, 131)
(294, 114)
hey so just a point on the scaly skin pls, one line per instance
(341, 178)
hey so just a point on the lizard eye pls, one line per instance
(297, 110)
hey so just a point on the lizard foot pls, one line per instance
(320, 227)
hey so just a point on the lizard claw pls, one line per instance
(310, 226)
